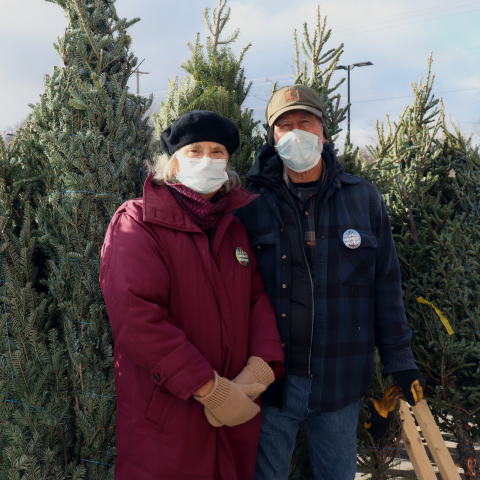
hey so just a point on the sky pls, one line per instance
(397, 37)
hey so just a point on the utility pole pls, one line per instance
(137, 73)
(348, 68)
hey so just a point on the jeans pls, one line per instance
(331, 437)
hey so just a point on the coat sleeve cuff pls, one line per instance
(278, 369)
(269, 351)
(183, 371)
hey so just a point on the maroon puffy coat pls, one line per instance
(178, 313)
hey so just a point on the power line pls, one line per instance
(166, 62)
(278, 78)
(403, 91)
(439, 52)
(150, 93)
(391, 59)
(173, 60)
(355, 25)
(269, 77)
(408, 96)
(391, 98)
(374, 30)
(376, 62)
(286, 77)
(409, 23)
(164, 92)
(413, 11)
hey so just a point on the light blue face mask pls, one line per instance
(202, 175)
(299, 150)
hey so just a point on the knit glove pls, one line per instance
(256, 372)
(412, 385)
(228, 402)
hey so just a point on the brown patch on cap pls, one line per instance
(292, 95)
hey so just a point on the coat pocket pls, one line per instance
(356, 266)
(160, 409)
(265, 240)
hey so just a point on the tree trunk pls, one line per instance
(465, 445)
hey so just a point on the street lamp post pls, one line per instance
(348, 68)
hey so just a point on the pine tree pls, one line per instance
(429, 177)
(32, 363)
(322, 66)
(378, 457)
(84, 145)
(438, 251)
(216, 83)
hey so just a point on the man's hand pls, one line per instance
(412, 385)
(381, 412)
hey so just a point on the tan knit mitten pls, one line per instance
(256, 371)
(229, 403)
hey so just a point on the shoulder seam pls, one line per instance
(368, 182)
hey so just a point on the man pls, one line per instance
(325, 250)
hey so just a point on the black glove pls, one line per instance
(377, 424)
(412, 385)
(381, 412)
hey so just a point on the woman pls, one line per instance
(196, 339)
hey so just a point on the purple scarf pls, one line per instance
(205, 214)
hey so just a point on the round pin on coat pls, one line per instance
(352, 239)
(242, 256)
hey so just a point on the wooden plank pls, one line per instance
(435, 441)
(413, 443)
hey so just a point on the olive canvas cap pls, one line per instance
(293, 97)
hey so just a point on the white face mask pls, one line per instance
(299, 150)
(202, 175)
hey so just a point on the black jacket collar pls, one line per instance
(268, 167)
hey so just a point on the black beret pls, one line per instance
(200, 126)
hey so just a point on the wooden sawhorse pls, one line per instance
(416, 451)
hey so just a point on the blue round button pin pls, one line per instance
(351, 238)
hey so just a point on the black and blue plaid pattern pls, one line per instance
(357, 267)
(307, 214)
(358, 300)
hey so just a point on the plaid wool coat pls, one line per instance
(357, 302)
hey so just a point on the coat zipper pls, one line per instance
(309, 274)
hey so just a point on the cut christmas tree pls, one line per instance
(319, 77)
(429, 176)
(216, 83)
(86, 141)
